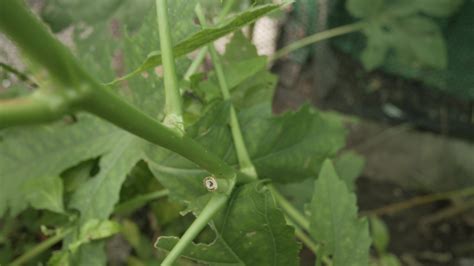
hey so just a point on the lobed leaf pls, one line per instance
(249, 231)
(41, 151)
(334, 222)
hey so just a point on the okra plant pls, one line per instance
(131, 96)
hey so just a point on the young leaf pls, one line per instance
(249, 231)
(45, 193)
(334, 221)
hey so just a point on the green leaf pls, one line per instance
(380, 234)
(59, 258)
(249, 231)
(349, 166)
(438, 8)
(45, 193)
(334, 221)
(389, 260)
(364, 8)
(41, 151)
(94, 230)
(424, 38)
(290, 147)
(96, 198)
(204, 37)
(377, 47)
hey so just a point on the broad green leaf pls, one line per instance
(334, 221)
(34, 152)
(364, 8)
(349, 166)
(204, 37)
(45, 193)
(438, 8)
(96, 198)
(380, 234)
(249, 231)
(290, 147)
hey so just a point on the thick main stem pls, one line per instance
(173, 102)
(317, 37)
(216, 203)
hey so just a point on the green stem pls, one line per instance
(40, 248)
(104, 103)
(29, 110)
(317, 37)
(289, 209)
(196, 63)
(173, 102)
(216, 203)
(140, 200)
(202, 53)
(245, 163)
(301, 235)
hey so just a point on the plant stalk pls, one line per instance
(196, 63)
(202, 53)
(173, 101)
(245, 163)
(216, 203)
(28, 110)
(140, 201)
(317, 37)
(289, 209)
(40, 248)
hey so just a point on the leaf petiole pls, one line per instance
(216, 203)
